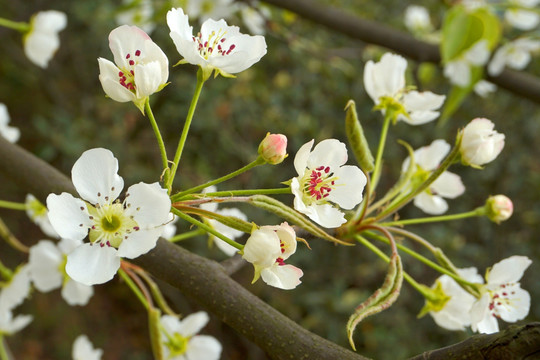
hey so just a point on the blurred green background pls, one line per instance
(299, 89)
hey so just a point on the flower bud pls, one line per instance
(480, 144)
(499, 208)
(273, 148)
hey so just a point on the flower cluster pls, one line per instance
(42, 41)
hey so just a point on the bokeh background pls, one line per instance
(299, 89)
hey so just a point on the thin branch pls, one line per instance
(522, 84)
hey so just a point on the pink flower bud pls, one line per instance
(273, 149)
(499, 208)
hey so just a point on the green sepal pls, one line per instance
(436, 299)
(357, 139)
(381, 299)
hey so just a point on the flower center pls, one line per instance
(318, 183)
(37, 209)
(111, 225)
(215, 42)
(500, 298)
(126, 75)
(177, 344)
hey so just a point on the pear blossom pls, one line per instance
(519, 16)
(254, 17)
(138, 13)
(116, 229)
(141, 68)
(47, 262)
(273, 148)
(514, 54)
(480, 143)
(9, 324)
(323, 179)
(499, 208)
(417, 19)
(503, 297)
(38, 213)
(42, 41)
(10, 133)
(83, 349)
(458, 71)
(453, 312)
(448, 185)
(267, 249)
(229, 232)
(16, 289)
(210, 9)
(483, 88)
(385, 84)
(217, 47)
(180, 339)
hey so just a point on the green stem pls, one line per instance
(434, 175)
(380, 150)
(258, 161)
(161, 144)
(232, 193)
(5, 272)
(15, 25)
(187, 235)
(206, 228)
(12, 205)
(476, 212)
(187, 124)
(383, 256)
(134, 288)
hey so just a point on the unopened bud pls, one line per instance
(273, 148)
(480, 143)
(499, 208)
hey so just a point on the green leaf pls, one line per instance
(460, 30)
(381, 299)
(357, 139)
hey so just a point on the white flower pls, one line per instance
(47, 262)
(254, 17)
(10, 133)
(454, 315)
(504, 298)
(16, 289)
(221, 228)
(141, 69)
(520, 17)
(267, 249)
(385, 84)
(116, 229)
(179, 339)
(515, 54)
(480, 144)
(483, 88)
(417, 19)
(39, 214)
(458, 71)
(10, 325)
(42, 40)
(138, 13)
(210, 9)
(83, 349)
(323, 178)
(217, 47)
(447, 185)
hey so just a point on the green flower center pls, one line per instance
(317, 184)
(111, 225)
(177, 345)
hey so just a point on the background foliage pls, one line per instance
(300, 89)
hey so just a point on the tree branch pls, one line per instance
(202, 280)
(522, 84)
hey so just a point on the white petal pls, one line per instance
(193, 323)
(385, 78)
(43, 40)
(44, 261)
(348, 189)
(148, 203)
(139, 242)
(248, 50)
(285, 277)
(17, 289)
(478, 54)
(419, 117)
(178, 24)
(108, 76)
(262, 247)
(329, 152)
(66, 215)
(76, 293)
(84, 350)
(229, 250)
(518, 306)
(95, 176)
(482, 319)
(92, 264)
(522, 19)
(325, 215)
(301, 158)
(125, 40)
(10, 325)
(508, 270)
(147, 78)
(448, 185)
(414, 100)
(68, 245)
(203, 347)
(433, 205)
(458, 72)
(429, 157)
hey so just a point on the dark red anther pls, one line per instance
(128, 56)
(131, 62)
(138, 53)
